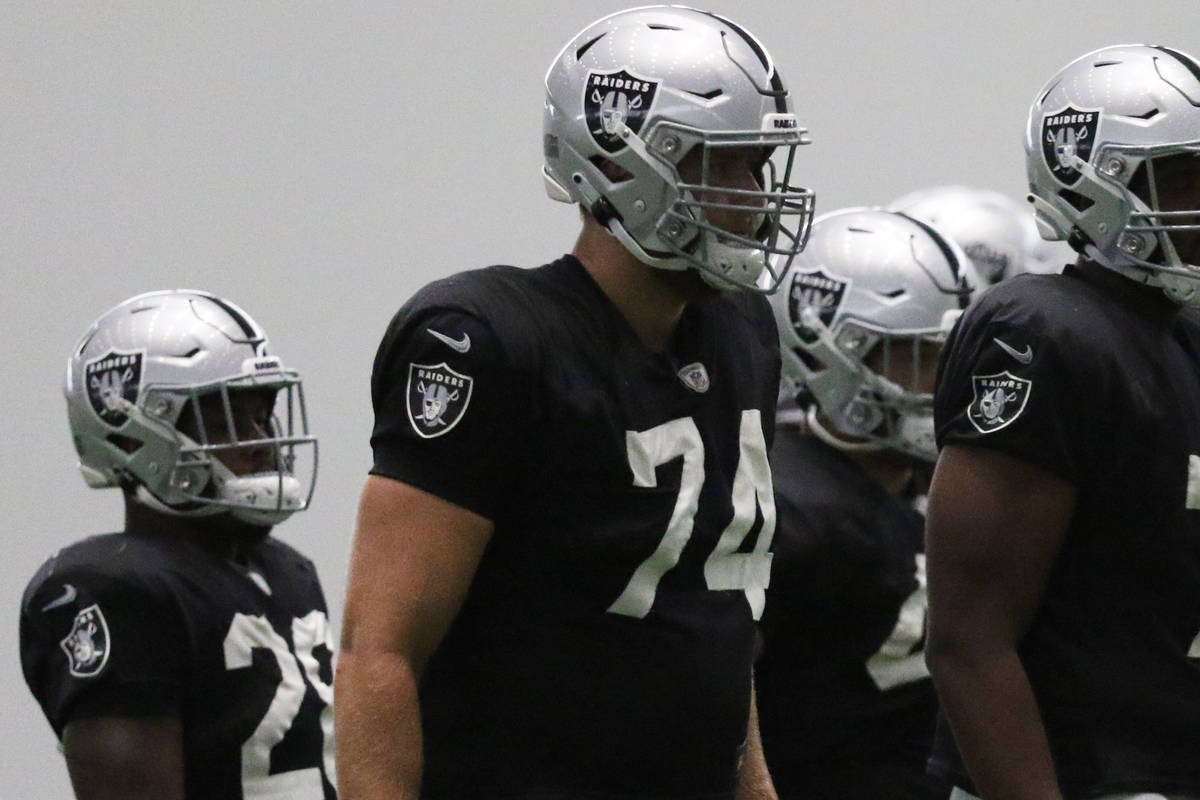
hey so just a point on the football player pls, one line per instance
(847, 708)
(987, 225)
(563, 546)
(999, 234)
(188, 656)
(1063, 537)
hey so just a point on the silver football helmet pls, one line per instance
(865, 311)
(1043, 256)
(1107, 141)
(987, 225)
(152, 394)
(631, 96)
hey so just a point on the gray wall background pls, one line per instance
(318, 162)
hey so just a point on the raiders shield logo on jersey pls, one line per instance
(998, 400)
(111, 380)
(610, 98)
(1066, 134)
(86, 645)
(437, 398)
(823, 293)
(695, 377)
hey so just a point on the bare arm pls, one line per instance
(994, 527)
(754, 780)
(125, 758)
(413, 559)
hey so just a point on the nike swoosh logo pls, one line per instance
(461, 345)
(68, 596)
(1024, 356)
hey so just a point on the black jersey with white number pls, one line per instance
(846, 706)
(1098, 381)
(605, 646)
(156, 623)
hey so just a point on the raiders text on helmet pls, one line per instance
(870, 288)
(138, 376)
(631, 96)
(1103, 139)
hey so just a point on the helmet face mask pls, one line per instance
(241, 449)
(872, 386)
(174, 396)
(1111, 151)
(867, 308)
(1164, 225)
(656, 90)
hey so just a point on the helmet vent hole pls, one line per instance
(189, 353)
(1049, 89)
(587, 46)
(709, 95)
(1188, 63)
(1109, 63)
(658, 26)
(1151, 114)
(893, 294)
(1077, 201)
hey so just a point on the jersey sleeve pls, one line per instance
(449, 409)
(95, 644)
(1009, 381)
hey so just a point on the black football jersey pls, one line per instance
(1098, 381)
(155, 623)
(846, 706)
(605, 646)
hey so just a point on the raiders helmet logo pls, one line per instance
(112, 380)
(610, 98)
(86, 645)
(823, 293)
(1068, 134)
(998, 400)
(437, 398)
(992, 264)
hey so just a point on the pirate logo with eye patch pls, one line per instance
(998, 400)
(613, 98)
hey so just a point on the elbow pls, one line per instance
(940, 655)
(965, 649)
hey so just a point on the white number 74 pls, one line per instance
(725, 568)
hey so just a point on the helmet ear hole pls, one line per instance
(1077, 201)
(126, 444)
(813, 363)
(611, 170)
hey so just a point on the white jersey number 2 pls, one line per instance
(725, 568)
(246, 634)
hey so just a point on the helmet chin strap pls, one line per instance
(916, 436)
(265, 498)
(146, 498)
(749, 267)
(742, 262)
(1172, 277)
(833, 440)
